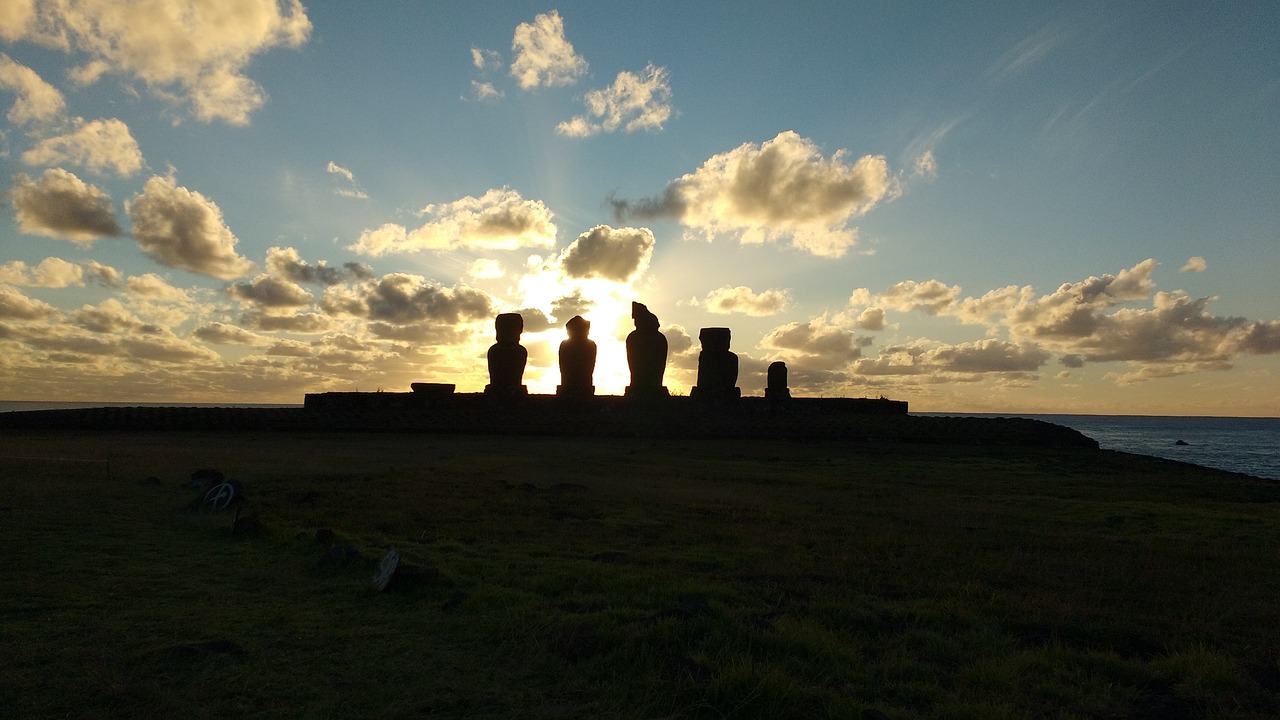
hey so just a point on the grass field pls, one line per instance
(632, 579)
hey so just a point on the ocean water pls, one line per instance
(1245, 445)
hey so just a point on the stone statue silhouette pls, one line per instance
(717, 367)
(577, 360)
(646, 354)
(776, 391)
(507, 357)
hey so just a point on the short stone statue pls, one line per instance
(717, 367)
(776, 390)
(577, 360)
(646, 354)
(507, 357)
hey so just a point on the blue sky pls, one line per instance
(982, 207)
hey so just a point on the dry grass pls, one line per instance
(631, 578)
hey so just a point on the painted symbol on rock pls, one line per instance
(220, 496)
(386, 568)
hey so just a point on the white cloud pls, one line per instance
(1195, 264)
(1083, 322)
(633, 102)
(61, 205)
(16, 306)
(930, 296)
(224, 334)
(742, 299)
(543, 57)
(783, 188)
(498, 220)
(485, 59)
(191, 51)
(302, 323)
(402, 299)
(286, 263)
(154, 287)
(268, 291)
(15, 16)
(485, 269)
(103, 275)
(98, 145)
(617, 254)
(51, 272)
(975, 358)
(484, 91)
(349, 187)
(871, 318)
(37, 100)
(184, 229)
(926, 166)
(336, 169)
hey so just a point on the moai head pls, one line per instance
(777, 377)
(644, 319)
(578, 327)
(714, 339)
(507, 327)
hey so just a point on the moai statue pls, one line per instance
(717, 368)
(646, 355)
(577, 360)
(507, 357)
(776, 391)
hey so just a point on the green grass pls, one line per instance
(632, 578)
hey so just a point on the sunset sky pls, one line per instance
(973, 207)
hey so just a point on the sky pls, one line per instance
(973, 207)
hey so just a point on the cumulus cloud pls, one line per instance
(783, 188)
(16, 306)
(980, 357)
(154, 287)
(484, 91)
(871, 318)
(286, 263)
(224, 334)
(617, 254)
(485, 59)
(103, 275)
(634, 102)
(184, 229)
(401, 298)
(187, 51)
(930, 296)
(37, 100)
(98, 145)
(542, 55)
(817, 338)
(61, 205)
(301, 323)
(268, 291)
(498, 220)
(1089, 321)
(742, 299)
(1195, 264)
(349, 187)
(51, 272)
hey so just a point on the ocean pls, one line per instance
(1245, 445)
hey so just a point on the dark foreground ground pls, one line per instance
(550, 576)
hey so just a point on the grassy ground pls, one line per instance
(631, 578)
